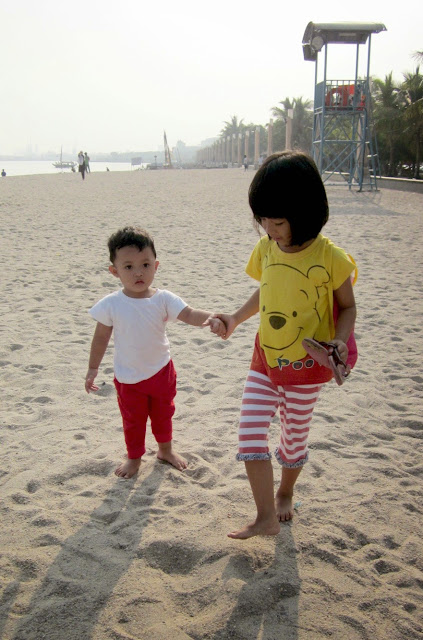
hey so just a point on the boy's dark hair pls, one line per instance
(130, 237)
(288, 185)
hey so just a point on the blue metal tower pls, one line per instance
(343, 142)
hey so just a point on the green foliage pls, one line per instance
(235, 126)
(397, 120)
(302, 124)
(232, 126)
(398, 123)
(412, 91)
(387, 122)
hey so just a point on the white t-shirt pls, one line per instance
(139, 324)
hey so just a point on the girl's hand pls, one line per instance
(229, 322)
(216, 326)
(89, 380)
(342, 348)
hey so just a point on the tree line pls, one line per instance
(397, 121)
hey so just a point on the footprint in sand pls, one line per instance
(171, 557)
(29, 569)
(38, 399)
(32, 486)
(33, 368)
(47, 540)
(105, 390)
(19, 498)
(44, 522)
(16, 347)
(383, 566)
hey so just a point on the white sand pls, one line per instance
(87, 556)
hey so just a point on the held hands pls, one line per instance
(89, 380)
(221, 324)
(216, 326)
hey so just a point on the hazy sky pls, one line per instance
(111, 76)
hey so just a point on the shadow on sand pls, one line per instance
(268, 601)
(66, 606)
(86, 573)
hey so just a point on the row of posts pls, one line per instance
(231, 150)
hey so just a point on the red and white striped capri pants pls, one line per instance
(260, 401)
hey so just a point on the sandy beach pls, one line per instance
(87, 556)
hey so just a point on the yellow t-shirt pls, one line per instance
(296, 295)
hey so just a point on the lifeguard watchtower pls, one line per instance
(343, 142)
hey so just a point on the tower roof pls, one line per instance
(318, 34)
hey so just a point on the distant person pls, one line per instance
(87, 162)
(145, 377)
(81, 164)
(3, 173)
(107, 169)
(260, 161)
(245, 163)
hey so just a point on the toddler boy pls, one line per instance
(145, 378)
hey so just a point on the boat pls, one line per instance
(64, 164)
(168, 158)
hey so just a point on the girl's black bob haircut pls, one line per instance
(288, 185)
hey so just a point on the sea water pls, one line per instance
(34, 167)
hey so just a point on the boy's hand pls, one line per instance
(89, 380)
(216, 326)
(226, 320)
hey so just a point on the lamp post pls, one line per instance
(270, 138)
(256, 146)
(239, 156)
(288, 135)
(247, 144)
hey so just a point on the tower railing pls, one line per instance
(342, 140)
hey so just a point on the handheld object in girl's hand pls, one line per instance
(328, 356)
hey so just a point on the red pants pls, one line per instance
(151, 398)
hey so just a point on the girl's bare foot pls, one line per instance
(128, 469)
(166, 454)
(270, 527)
(284, 507)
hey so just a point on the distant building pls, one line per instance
(184, 154)
(208, 142)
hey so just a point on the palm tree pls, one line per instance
(412, 89)
(279, 113)
(387, 118)
(302, 123)
(232, 126)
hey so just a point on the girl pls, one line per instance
(302, 274)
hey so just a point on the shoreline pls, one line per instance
(401, 184)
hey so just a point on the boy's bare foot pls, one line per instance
(284, 507)
(166, 454)
(270, 527)
(128, 469)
